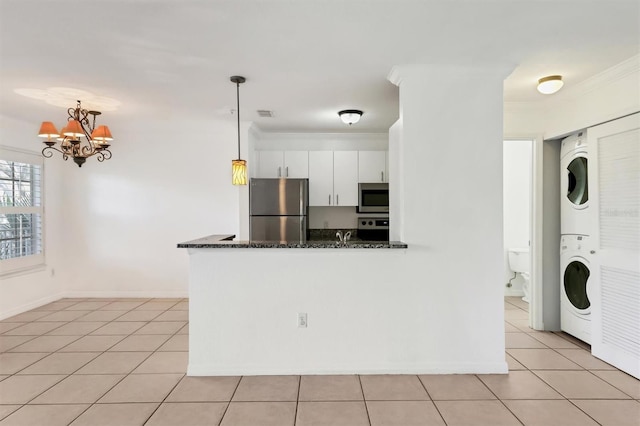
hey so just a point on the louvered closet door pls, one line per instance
(615, 292)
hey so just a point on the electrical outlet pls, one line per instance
(302, 320)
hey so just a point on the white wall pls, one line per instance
(165, 184)
(31, 289)
(517, 204)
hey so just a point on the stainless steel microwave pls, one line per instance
(373, 197)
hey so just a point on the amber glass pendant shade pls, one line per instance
(238, 172)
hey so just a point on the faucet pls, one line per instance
(342, 240)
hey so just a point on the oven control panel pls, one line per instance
(373, 223)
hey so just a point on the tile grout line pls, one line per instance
(364, 399)
(230, 399)
(432, 401)
(295, 414)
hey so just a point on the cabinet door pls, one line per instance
(345, 178)
(296, 164)
(372, 166)
(270, 164)
(321, 178)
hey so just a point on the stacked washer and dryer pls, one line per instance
(575, 228)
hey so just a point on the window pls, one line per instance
(21, 210)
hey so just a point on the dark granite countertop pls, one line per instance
(226, 241)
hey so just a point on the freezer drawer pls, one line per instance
(278, 228)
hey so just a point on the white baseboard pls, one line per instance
(31, 305)
(208, 369)
(510, 292)
(128, 294)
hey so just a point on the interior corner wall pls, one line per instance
(19, 293)
(452, 123)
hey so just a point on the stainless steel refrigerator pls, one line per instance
(278, 210)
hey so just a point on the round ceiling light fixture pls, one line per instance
(549, 85)
(350, 116)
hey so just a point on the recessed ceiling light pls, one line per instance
(549, 85)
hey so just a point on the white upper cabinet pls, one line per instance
(333, 178)
(320, 178)
(372, 166)
(345, 178)
(296, 164)
(283, 164)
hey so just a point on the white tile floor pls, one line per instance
(123, 362)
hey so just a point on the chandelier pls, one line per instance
(80, 124)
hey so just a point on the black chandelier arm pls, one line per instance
(46, 152)
(103, 154)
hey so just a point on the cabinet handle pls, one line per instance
(279, 171)
(286, 171)
(381, 176)
(329, 199)
(592, 252)
(337, 199)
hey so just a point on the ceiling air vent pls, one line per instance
(265, 113)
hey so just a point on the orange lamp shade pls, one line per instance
(48, 130)
(238, 172)
(101, 134)
(62, 136)
(73, 129)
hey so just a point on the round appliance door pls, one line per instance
(576, 276)
(577, 182)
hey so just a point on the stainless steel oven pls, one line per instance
(373, 197)
(373, 228)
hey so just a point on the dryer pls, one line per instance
(575, 215)
(575, 307)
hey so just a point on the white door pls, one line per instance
(615, 170)
(345, 178)
(372, 166)
(320, 178)
(296, 164)
(270, 164)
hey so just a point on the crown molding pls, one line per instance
(609, 76)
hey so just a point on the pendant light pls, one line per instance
(239, 166)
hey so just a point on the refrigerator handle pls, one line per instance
(279, 171)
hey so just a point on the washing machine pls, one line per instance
(575, 217)
(575, 307)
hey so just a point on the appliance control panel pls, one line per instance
(373, 223)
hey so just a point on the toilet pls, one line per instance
(519, 262)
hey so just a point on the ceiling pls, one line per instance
(303, 59)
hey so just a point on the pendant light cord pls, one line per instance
(238, 113)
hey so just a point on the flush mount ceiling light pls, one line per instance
(549, 85)
(81, 123)
(239, 166)
(350, 116)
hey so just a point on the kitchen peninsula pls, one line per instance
(284, 308)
